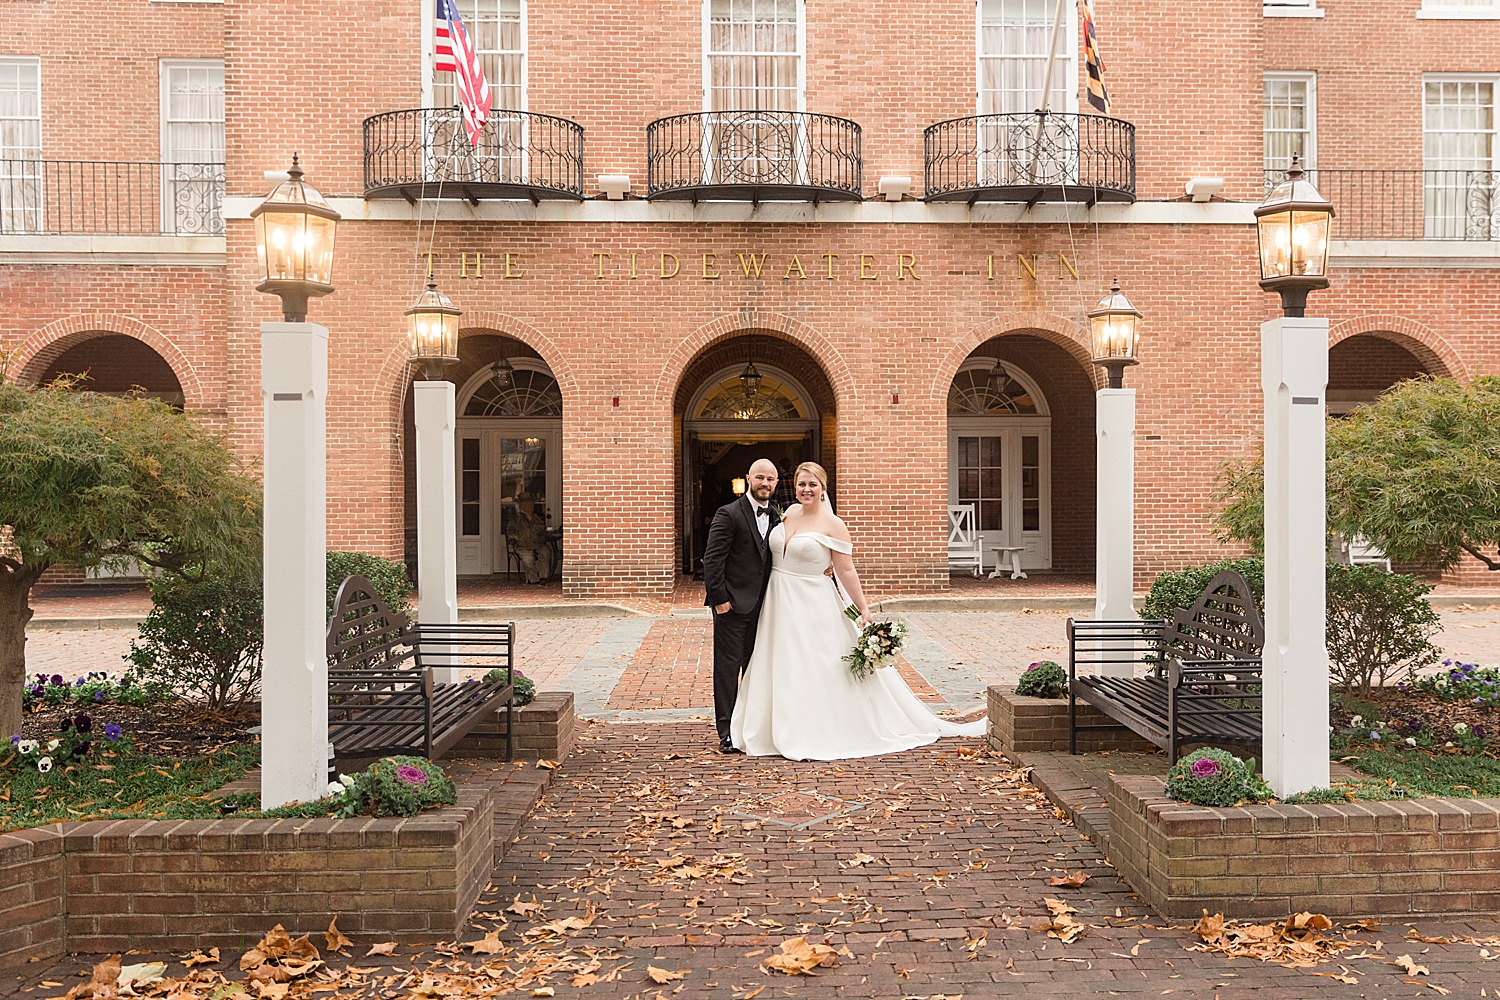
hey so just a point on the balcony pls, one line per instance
(753, 156)
(426, 153)
(1409, 204)
(1042, 156)
(109, 198)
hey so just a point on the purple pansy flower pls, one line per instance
(83, 723)
(1206, 768)
(98, 697)
(112, 732)
(1374, 736)
(411, 775)
(81, 749)
(57, 679)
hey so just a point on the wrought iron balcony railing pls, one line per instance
(77, 197)
(753, 156)
(425, 152)
(1409, 204)
(1040, 156)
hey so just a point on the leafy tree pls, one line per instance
(1240, 495)
(1418, 471)
(89, 480)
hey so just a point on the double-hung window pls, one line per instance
(752, 82)
(192, 146)
(1027, 48)
(1460, 9)
(1461, 196)
(20, 145)
(1289, 123)
(497, 30)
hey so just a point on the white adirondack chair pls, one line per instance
(1360, 552)
(965, 547)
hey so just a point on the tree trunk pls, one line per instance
(15, 611)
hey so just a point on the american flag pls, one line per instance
(1098, 92)
(456, 55)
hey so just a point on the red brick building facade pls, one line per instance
(927, 350)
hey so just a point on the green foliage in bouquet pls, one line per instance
(1212, 777)
(878, 644)
(1043, 680)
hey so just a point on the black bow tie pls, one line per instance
(762, 512)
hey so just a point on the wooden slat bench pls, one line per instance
(382, 697)
(1203, 683)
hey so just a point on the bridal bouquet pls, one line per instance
(878, 644)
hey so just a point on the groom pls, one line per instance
(736, 569)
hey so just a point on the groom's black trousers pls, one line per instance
(734, 639)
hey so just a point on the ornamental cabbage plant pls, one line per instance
(1212, 777)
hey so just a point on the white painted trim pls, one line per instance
(483, 375)
(1015, 371)
(1310, 77)
(1284, 11)
(1171, 213)
(145, 250)
(713, 381)
(1414, 253)
(1439, 13)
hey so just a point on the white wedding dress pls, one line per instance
(797, 698)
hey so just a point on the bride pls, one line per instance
(798, 698)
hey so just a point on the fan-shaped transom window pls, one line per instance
(528, 394)
(975, 393)
(773, 400)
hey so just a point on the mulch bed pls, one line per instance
(165, 729)
(1400, 708)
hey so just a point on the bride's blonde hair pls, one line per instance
(818, 472)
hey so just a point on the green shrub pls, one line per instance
(387, 577)
(1212, 777)
(1179, 589)
(202, 639)
(525, 687)
(1344, 791)
(1043, 680)
(1378, 624)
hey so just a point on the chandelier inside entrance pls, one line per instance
(978, 392)
(773, 400)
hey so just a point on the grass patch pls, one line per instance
(1446, 775)
(122, 786)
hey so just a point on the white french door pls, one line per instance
(1003, 466)
(507, 469)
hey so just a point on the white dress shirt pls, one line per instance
(762, 522)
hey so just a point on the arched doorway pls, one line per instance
(115, 365)
(1362, 367)
(1021, 451)
(507, 458)
(723, 426)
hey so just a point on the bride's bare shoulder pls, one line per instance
(838, 529)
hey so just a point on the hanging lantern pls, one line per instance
(294, 230)
(1115, 325)
(999, 383)
(504, 372)
(432, 330)
(750, 379)
(1292, 225)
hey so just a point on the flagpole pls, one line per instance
(1052, 56)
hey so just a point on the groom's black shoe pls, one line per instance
(727, 746)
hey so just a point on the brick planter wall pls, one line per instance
(544, 730)
(112, 885)
(1030, 725)
(1358, 859)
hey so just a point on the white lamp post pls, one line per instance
(1115, 328)
(1293, 228)
(432, 337)
(294, 230)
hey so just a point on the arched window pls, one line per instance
(774, 400)
(974, 393)
(529, 394)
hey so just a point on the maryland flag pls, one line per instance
(1098, 93)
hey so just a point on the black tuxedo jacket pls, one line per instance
(736, 560)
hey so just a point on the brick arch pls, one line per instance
(1435, 353)
(1048, 326)
(396, 371)
(38, 351)
(731, 325)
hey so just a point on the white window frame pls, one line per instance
(706, 38)
(171, 178)
(1493, 79)
(1310, 157)
(1437, 10)
(429, 56)
(1292, 8)
(31, 217)
(1068, 55)
(164, 69)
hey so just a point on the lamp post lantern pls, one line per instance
(294, 229)
(1293, 227)
(432, 338)
(1115, 328)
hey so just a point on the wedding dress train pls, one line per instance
(798, 698)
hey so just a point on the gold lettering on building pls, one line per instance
(1063, 260)
(906, 263)
(601, 256)
(830, 257)
(795, 265)
(633, 256)
(866, 261)
(752, 266)
(429, 255)
(1029, 266)
(463, 264)
(676, 265)
(710, 271)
